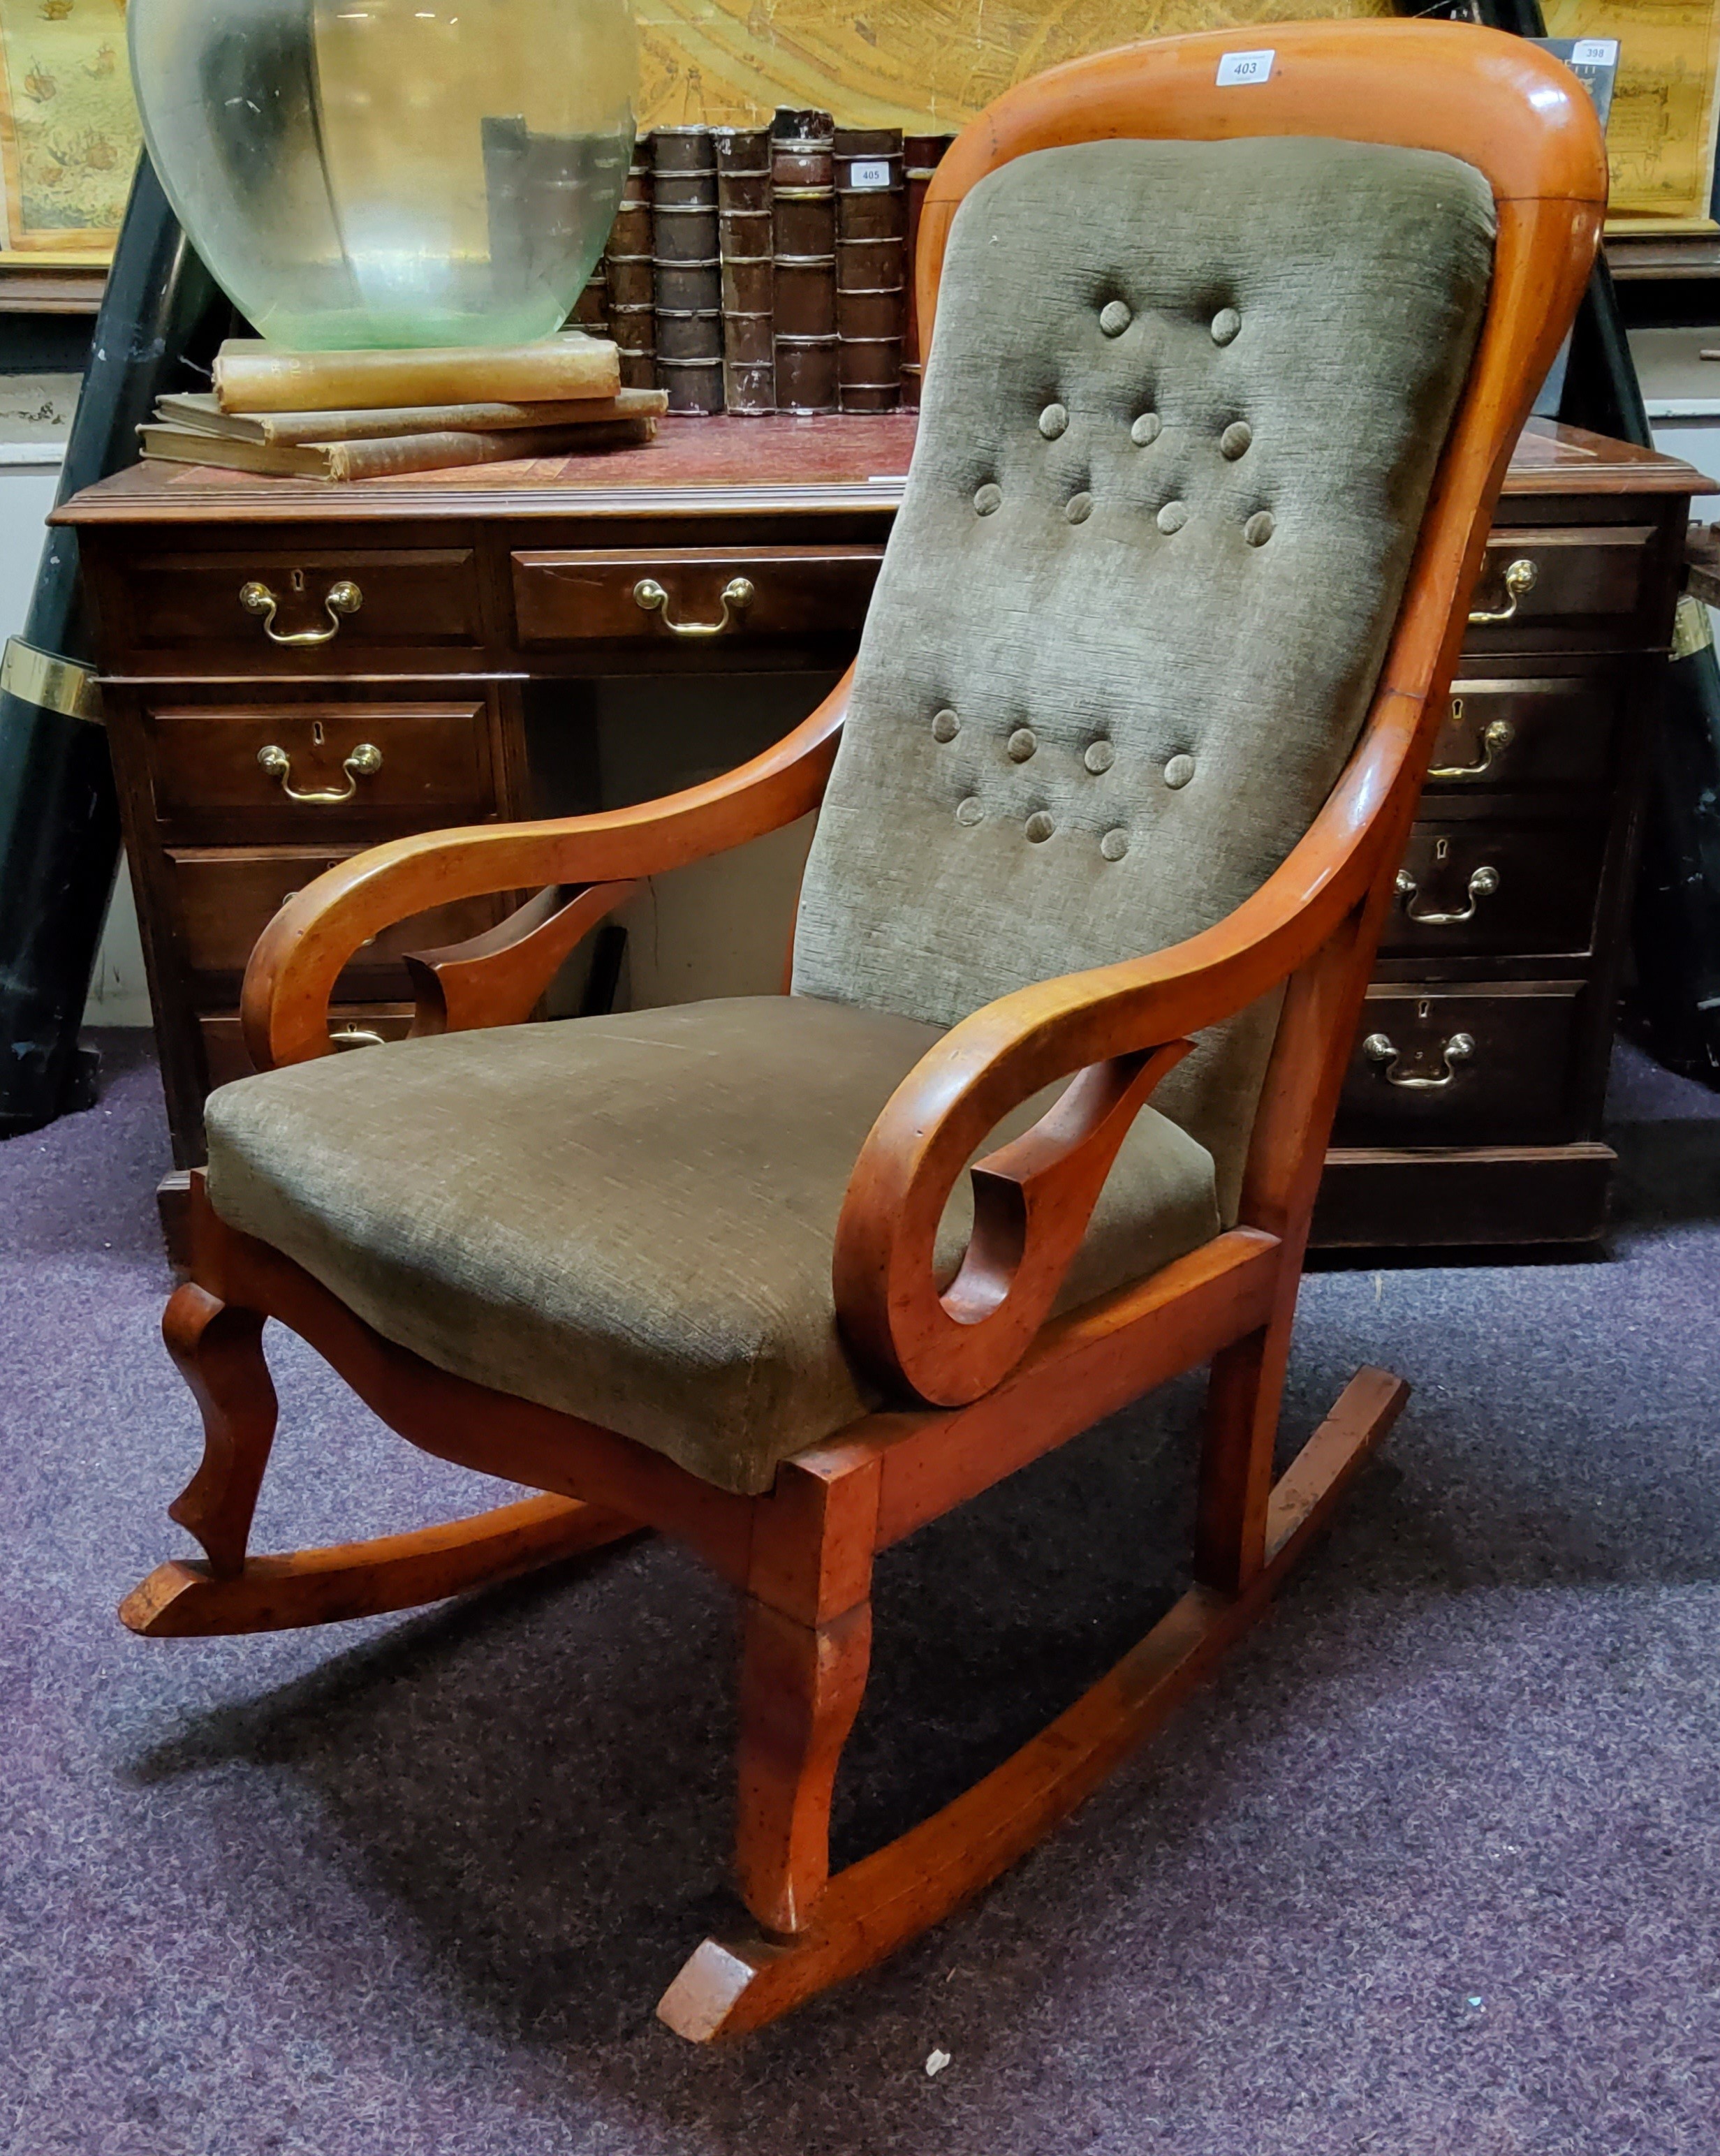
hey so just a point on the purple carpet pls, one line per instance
(1432, 1870)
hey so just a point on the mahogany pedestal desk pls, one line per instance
(292, 670)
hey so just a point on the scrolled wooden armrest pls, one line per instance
(495, 978)
(299, 955)
(1116, 1030)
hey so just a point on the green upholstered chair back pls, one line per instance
(1183, 407)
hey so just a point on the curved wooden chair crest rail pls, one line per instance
(1000, 1373)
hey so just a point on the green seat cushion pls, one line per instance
(630, 1219)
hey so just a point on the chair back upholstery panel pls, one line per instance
(1183, 407)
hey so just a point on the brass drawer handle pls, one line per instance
(1378, 1048)
(356, 1036)
(341, 599)
(364, 763)
(1482, 883)
(737, 594)
(1520, 580)
(1496, 738)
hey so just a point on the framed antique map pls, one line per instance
(925, 65)
(68, 132)
(1660, 139)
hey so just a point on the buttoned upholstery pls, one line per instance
(629, 1219)
(1182, 408)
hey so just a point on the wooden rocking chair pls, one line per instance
(1224, 382)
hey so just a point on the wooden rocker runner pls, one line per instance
(1224, 382)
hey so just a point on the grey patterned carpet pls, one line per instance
(1433, 1869)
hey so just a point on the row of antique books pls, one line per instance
(769, 268)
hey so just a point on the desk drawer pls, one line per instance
(1481, 1066)
(222, 900)
(270, 609)
(1588, 583)
(354, 1025)
(290, 770)
(1527, 733)
(1480, 888)
(691, 596)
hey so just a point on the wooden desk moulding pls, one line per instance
(262, 727)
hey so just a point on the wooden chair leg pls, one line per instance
(801, 1686)
(733, 1984)
(1244, 1393)
(218, 1352)
(218, 1347)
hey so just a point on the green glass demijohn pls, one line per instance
(364, 172)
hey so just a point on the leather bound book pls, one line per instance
(686, 267)
(803, 280)
(920, 155)
(251, 376)
(197, 412)
(627, 262)
(389, 455)
(871, 224)
(537, 186)
(591, 310)
(744, 241)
